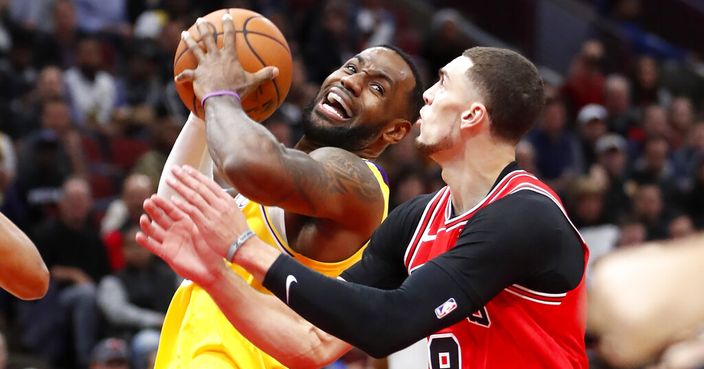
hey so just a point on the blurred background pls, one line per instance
(88, 114)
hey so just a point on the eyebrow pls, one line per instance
(374, 73)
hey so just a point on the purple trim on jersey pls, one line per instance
(382, 171)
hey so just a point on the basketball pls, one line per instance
(259, 44)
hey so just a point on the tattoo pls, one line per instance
(339, 174)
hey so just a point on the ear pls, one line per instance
(473, 116)
(396, 131)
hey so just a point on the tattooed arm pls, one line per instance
(328, 183)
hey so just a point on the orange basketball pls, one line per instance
(259, 44)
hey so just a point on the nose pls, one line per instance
(353, 83)
(428, 96)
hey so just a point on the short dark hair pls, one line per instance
(511, 88)
(416, 95)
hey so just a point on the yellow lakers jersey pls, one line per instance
(196, 334)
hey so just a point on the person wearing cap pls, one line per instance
(611, 153)
(110, 353)
(591, 120)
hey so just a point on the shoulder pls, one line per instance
(526, 215)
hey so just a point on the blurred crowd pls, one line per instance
(89, 112)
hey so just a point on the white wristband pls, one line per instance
(244, 237)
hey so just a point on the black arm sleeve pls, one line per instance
(382, 265)
(526, 241)
(377, 321)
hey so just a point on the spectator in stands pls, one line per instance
(685, 158)
(47, 158)
(27, 108)
(525, 157)
(681, 120)
(648, 208)
(681, 226)
(647, 87)
(110, 353)
(591, 121)
(3, 352)
(557, 150)
(332, 38)
(653, 166)
(122, 214)
(108, 17)
(75, 256)
(617, 100)
(611, 150)
(8, 164)
(135, 299)
(93, 91)
(631, 232)
(445, 39)
(64, 35)
(585, 81)
(140, 84)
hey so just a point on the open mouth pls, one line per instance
(335, 106)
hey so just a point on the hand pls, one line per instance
(214, 212)
(182, 247)
(70, 274)
(220, 69)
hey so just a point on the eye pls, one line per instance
(378, 88)
(351, 68)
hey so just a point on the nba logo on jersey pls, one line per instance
(446, 308)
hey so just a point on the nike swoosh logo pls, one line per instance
(289, 280)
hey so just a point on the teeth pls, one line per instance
(333, 97)
(332, 110)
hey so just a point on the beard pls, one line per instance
(428, 149)
(348, 137)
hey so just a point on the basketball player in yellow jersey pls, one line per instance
(319, 202)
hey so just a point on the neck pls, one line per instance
(306, 145)
(473, 172)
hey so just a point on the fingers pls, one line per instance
(188, 75)
(149, 244)
(193, 212)
(265, 74)
(169, 208)
(208, 183)
(228, 40)
(192, 45)
(207, 35)
(151, 229)
(157, 212)
(199, 188)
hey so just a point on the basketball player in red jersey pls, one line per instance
(22, 271)
(489, 269)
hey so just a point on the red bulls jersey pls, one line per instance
(519, 327)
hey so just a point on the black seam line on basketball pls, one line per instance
(254, 51)
(262, 34)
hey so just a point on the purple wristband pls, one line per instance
(219, 93)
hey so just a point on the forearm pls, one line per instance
(239, 146)
(273, 327)
(112, 299)
(190, 148)
(22, 272)
(393, 319)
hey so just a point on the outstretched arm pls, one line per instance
(22, 271)
(329, 183)
(263, 319)
(191, 149)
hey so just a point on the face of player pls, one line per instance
(359, 99)
(445, 104)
